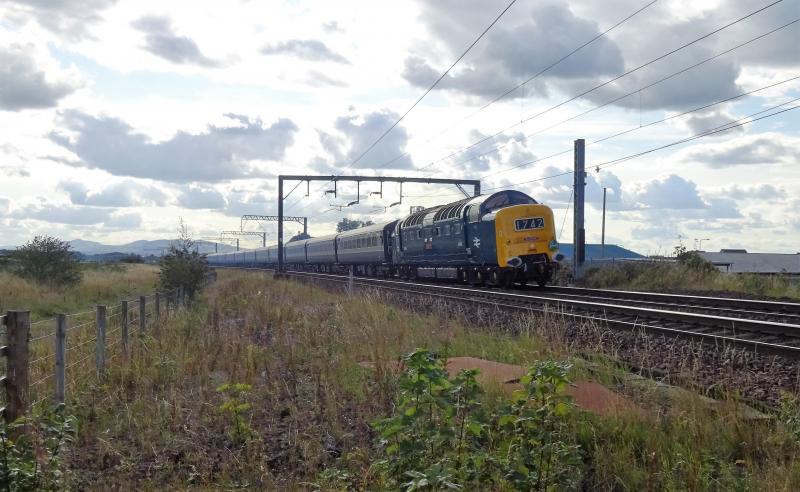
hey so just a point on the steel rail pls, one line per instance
(678, 316)
(717, 339)
(688, 304)
(741, 332)
(756, 305)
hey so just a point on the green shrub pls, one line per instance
(183, 266)
(47, 260)
(441, 437)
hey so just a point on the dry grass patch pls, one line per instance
(259, 386)
(99, 284)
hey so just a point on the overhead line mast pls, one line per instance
(476, 184)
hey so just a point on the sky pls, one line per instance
(120, 118)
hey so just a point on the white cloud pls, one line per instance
(127, 193)
(162, 41)
(305, 49)
(30, 80)
(201, 198)
(221, 153)
(759, 149)
(70, 19)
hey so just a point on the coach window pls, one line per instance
(447, 229)
(419, 233)
(436, 231)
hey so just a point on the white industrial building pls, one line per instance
(740, 261)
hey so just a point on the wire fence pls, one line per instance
(42, 367)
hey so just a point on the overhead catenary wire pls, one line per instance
(624, 132)
(641, 127)
(721, 128)
(601, 85)
(433, 86)
(619, 98)
(566, 213)
(528, 80)
(725, 128)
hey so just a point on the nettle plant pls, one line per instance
(441, 436)
(30, 450)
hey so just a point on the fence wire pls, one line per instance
(79, 336)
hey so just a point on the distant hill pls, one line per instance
(141, 247)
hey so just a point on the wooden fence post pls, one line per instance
(100, 347)
(123, 319)
(61, 357)
(158, 305)
(350, 281)
(142, 315)
(18, 324)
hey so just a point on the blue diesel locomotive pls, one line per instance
(498, 239)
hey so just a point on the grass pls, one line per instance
(100, 284)
(673, 277)
(162, 417)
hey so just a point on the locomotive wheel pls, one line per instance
(494, 278)
(508, 280)
(473, 277)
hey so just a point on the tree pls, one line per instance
(183, 266)
(48, 260)
(347, 225)
(299, 236)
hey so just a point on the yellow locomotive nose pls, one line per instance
(525, 231)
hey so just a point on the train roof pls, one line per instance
(488, 203)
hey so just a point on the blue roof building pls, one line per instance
(594, 252)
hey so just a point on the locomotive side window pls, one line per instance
(474, 213)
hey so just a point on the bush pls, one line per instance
(183, 266)
(693, 261)
(441, 437)
(47, 260)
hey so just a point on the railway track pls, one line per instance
(767, 327)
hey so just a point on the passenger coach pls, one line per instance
(498, 239)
